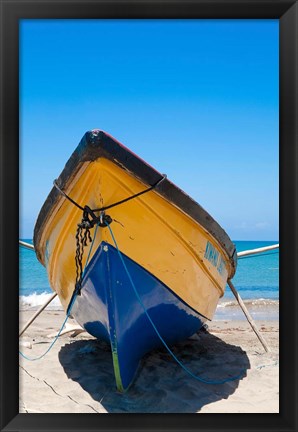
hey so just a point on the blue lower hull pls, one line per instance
(108, 309)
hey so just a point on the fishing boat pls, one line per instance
(136, 261)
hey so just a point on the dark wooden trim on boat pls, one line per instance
(96, 144)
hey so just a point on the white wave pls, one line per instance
(226, 304)
(251, 302)
(36, 300)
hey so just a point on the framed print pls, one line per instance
(148, 215)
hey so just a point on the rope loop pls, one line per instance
(90, 219)
(101, 209)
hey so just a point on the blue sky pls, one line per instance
(197, 99)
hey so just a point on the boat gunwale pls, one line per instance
(96, 144)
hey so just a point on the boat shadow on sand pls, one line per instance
(161, 385)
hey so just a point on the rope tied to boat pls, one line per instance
(89, 219)
(102, 209)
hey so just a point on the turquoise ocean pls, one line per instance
(256, 279)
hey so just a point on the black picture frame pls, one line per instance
(14, 10)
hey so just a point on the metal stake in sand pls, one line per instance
(248, 316)
(239, 299)
(37, 313)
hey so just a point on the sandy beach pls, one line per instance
(76, 376)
